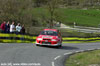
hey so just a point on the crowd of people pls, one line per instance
(6, 27)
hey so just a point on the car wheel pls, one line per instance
(59, 46)
(37, 45)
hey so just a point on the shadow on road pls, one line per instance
(62, 48)
(68, 48)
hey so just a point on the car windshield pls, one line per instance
(53, 33)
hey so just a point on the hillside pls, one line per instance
(82, 17)
(89, 17)
(43, 13)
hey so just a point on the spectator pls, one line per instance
(3, 26)
(23, 30)
(12, 27)
(18, 28)
(7, 27)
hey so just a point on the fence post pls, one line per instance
(74, 24)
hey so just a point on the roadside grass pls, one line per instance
(90, 17)
(81, 17)
(91, 58)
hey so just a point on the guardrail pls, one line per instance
(18, 38)
(80, 40)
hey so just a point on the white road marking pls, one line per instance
(98, 48)
(68, 53)
(57, 57)
(53, 64)
(90, 49)
(77, 51)
(65, 53)
(82, 50)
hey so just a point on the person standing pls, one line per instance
(23, 29)
(18, 28)
(3, 26)
(23, 32)
(12, 27)
(7, 27)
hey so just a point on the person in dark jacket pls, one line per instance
(23, 30)
(7, 27)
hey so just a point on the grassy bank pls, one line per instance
(69, 16)
(91, 58)
(82, 17)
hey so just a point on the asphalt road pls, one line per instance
(41, 56)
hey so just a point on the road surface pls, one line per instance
(42, 56)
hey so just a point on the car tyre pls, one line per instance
(59, 46)
(37, 45)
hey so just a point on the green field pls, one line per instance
(69, 16)
(82, 17)
(91, 58)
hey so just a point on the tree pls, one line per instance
(16, 10)
(39, 3)
(52, 6)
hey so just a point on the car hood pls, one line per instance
(47, 36)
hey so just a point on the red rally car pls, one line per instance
(50, 37)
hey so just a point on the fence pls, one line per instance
(16, 38)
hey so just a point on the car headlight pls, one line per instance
(53, 40)
(39, 39)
